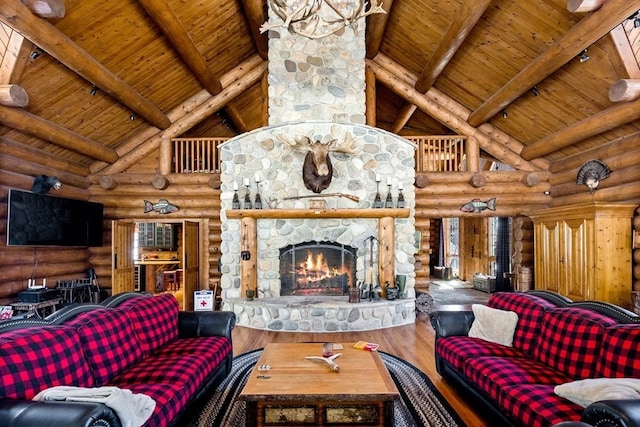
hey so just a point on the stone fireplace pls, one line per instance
(316, 90)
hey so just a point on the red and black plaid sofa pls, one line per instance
(132, 341)
(556, 341)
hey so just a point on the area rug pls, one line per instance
(420, 403)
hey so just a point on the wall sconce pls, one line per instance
(132, 117)
(584, 57)
(37, 52)
(42, 184)
(504, 114)
(94, 90)
(535, 91)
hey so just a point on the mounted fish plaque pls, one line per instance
(162, 206)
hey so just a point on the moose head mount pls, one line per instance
(317, 170)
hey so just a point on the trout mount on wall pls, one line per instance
(162, 206)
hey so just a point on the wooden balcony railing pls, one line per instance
(196, 155)
(434, 154)
(439, 153)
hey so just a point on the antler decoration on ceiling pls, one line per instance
(302, 17)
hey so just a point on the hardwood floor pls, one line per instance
(414, 343)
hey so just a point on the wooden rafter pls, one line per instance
(178, 37)
(463, 22)
(254, 10)
(16, 15)
(582, 35)
(376, 25)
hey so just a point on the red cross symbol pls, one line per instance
(203, 303)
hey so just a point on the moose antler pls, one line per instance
(304, 18)
(317, 170)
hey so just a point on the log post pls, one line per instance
(625, 90)
(165, 155)
(107, 182)
(13, 96)
(472, 151)
(386, 255)
(248, 242)
(478, 180)
(159, 182)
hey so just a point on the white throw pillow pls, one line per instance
(492, 324)
(585, 392)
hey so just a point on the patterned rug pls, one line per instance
(420, 403)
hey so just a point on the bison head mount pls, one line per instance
(317, 169)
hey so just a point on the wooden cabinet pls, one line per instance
(156, 235)
(584, 252)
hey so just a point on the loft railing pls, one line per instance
(196, 155)
(443, 153)
(434, 154)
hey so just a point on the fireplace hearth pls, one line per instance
(317, 269)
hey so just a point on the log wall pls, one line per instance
(198, 196)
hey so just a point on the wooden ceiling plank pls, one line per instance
(170, 25)
(582, 35)
(375, 28)
(464, 21)
(255, 13)
(46, 8)
(14, 14)
(31, 124)
(598, 123)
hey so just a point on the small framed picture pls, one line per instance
(418, 241)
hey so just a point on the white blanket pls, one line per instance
(132, 409)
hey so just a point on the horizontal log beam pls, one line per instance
(449, 212)
(199, 191)
(13, 96)
(42, 157)
(22, 166)
(581, 6)
(619, 177)
(46, 8)
(596, 124)
(625, 90)
(629, 193)
(31, 124)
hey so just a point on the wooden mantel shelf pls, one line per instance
(318, 213)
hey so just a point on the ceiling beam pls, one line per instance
(31, 124)
(375, 28)
(208, 107)
(17, 16)
(582, 35)
(178, 37)
(254, 11)
(596, 124)
(463, 22)
(440, 108)
(46, 8)
(577, 6)
(403, 117)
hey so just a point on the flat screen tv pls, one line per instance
(43, 220)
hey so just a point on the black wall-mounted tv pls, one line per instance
(43, 220)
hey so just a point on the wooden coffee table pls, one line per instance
(302, 392)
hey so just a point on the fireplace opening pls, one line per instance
(317, 269)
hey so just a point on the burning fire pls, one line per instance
(316, 268)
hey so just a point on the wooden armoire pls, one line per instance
(584, 251)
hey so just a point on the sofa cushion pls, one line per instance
(154, 319)
(179, 379)
(455, 350)
(491, 374)
(585, 392)
(572, 339)
(493, 325)
(214, 349)
(36, 358)
(530, 309)
(108, 340)
(536, 405)
(620, 352)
